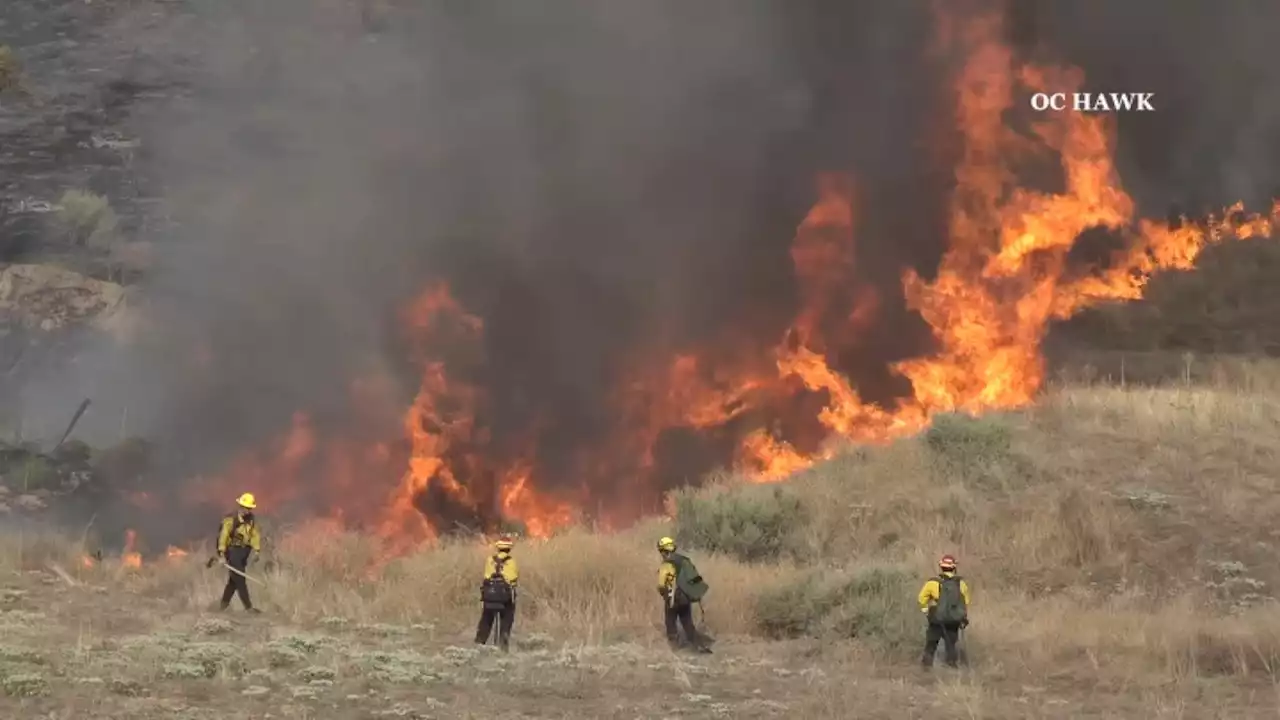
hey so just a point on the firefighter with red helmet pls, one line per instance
(944, 600)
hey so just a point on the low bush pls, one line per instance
(125, 461)
(750, 522)
(74, 452)
(871, 603)
(37, 473)
(10, 71)
(967, 445)
(85, 218)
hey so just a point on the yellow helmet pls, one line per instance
(503, 543)
(666, 544)
(246, 501)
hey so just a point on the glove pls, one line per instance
(212, 561)
(964, 623)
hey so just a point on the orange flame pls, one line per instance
(1004, 279)
(541, 515)
(130, 558)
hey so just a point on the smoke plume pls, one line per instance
(603, 185)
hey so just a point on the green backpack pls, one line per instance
(951, 608)
(690, 587)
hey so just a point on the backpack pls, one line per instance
(689, 585)
(495, 591)
(951, 608)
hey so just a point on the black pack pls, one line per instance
(495, 591)
(951, 608)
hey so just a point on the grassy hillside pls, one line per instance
(1120, 544)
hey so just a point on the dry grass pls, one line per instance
(1118, 542)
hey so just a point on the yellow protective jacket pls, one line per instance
(246, 534)
(510, 570)
(929, 593)
(667, 576)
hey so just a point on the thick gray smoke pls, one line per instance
(538, 160)
(1215, 72)
(591, 178)
(585, 176)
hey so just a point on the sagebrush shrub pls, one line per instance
(84, 218)
(37, 473)
(967, 441)
(10, 71)
(749, 522)
(872, 604)
(790, 610)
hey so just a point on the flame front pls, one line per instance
(130, 557)
(769, 408)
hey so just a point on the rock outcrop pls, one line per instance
(46, 297)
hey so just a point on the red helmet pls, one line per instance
(948, 562)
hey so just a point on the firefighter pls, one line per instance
(498, 594)
(239, 543)
(677, 605)
(945, 602)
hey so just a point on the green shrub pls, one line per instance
(124, 462)
(74, 452)
(791, 610)
(968, 441)
(878, 604)
(10, 71)
(872, 604)
(84, 218)
(750, 522)
(36, 473)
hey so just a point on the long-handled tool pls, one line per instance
(241, 574)
(72, 425)
(84, 405)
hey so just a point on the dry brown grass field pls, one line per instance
(1120, 542)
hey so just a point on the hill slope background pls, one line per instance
(1118, 541)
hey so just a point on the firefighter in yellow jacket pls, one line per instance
(945, 602)
(677, 608)
(498, 594)
(239, 542)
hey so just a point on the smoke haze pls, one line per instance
(594, 180)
